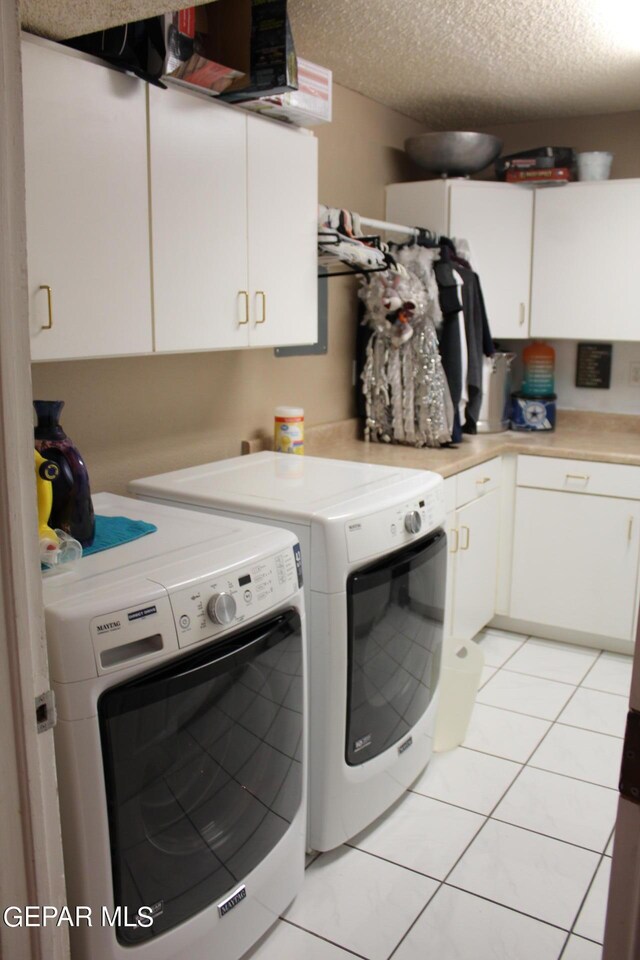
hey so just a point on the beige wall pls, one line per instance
(616, 132)
(136, 416)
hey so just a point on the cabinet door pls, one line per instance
(587, 240)
(283, 215)
(575, 561)
(198, 163)
(87, 207)
(497, 221)
(476, 566)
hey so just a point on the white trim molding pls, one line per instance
(30, 847)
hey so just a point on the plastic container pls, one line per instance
(459, 681)
(595, 165)
(288, 430)
(538, 360)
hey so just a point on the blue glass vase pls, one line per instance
(72, 509)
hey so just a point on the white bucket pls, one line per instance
(595, 165)
(462, 665)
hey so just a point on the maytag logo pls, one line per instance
(236, 897)
(405, 746)
(355, 526)
(106, 627)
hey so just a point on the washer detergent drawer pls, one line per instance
(203, 769)
(395, 610)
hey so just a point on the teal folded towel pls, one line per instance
(114, 531)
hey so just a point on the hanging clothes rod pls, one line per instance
(390, 227)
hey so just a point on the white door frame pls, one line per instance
(31, 866)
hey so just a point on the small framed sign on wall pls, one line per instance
(593, 365)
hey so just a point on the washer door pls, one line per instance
(203, 771)
(395, 611)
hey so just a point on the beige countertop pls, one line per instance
(609, 438)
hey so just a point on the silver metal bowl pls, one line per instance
(453, 153)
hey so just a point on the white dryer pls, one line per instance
(374, 556)
(178, 664)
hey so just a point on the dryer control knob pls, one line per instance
(413, 522)
(222, 608)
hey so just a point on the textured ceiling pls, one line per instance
(447, 63)
(60, 19)
(467, 63)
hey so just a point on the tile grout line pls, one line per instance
(584, 900)
(319, 936)
(504, 666)
(490, 816)
(522, 913)
(533, 716)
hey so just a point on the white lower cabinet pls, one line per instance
(575, 561)
(473, 530)
(547, 543)
(476, 565)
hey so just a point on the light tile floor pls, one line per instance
(502, 848)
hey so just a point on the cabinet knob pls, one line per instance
(261, 293)
(48, 326)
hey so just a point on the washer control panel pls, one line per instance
(394, 526)
(215, 604)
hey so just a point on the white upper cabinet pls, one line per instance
(232, 224)
(87, 207)
(198, 167)
(283, 234)
(497, 221)
(587, 242)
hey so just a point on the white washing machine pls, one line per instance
(374, 556)
(178, 665)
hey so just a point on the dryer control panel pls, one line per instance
(395, 526)
(214, 604)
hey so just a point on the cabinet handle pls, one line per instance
(483, 481)
(261, 293)
(454, 549)
(630, 529)
(465, 545)
(245, 294)
(523, 314)
(48, 326)
(578, 476)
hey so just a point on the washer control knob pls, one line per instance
(222, 608)
(413, 522)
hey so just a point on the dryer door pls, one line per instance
(203, 771)
(395, 610)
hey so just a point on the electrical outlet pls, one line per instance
(634, 373)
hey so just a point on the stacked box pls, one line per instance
(307, 106)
